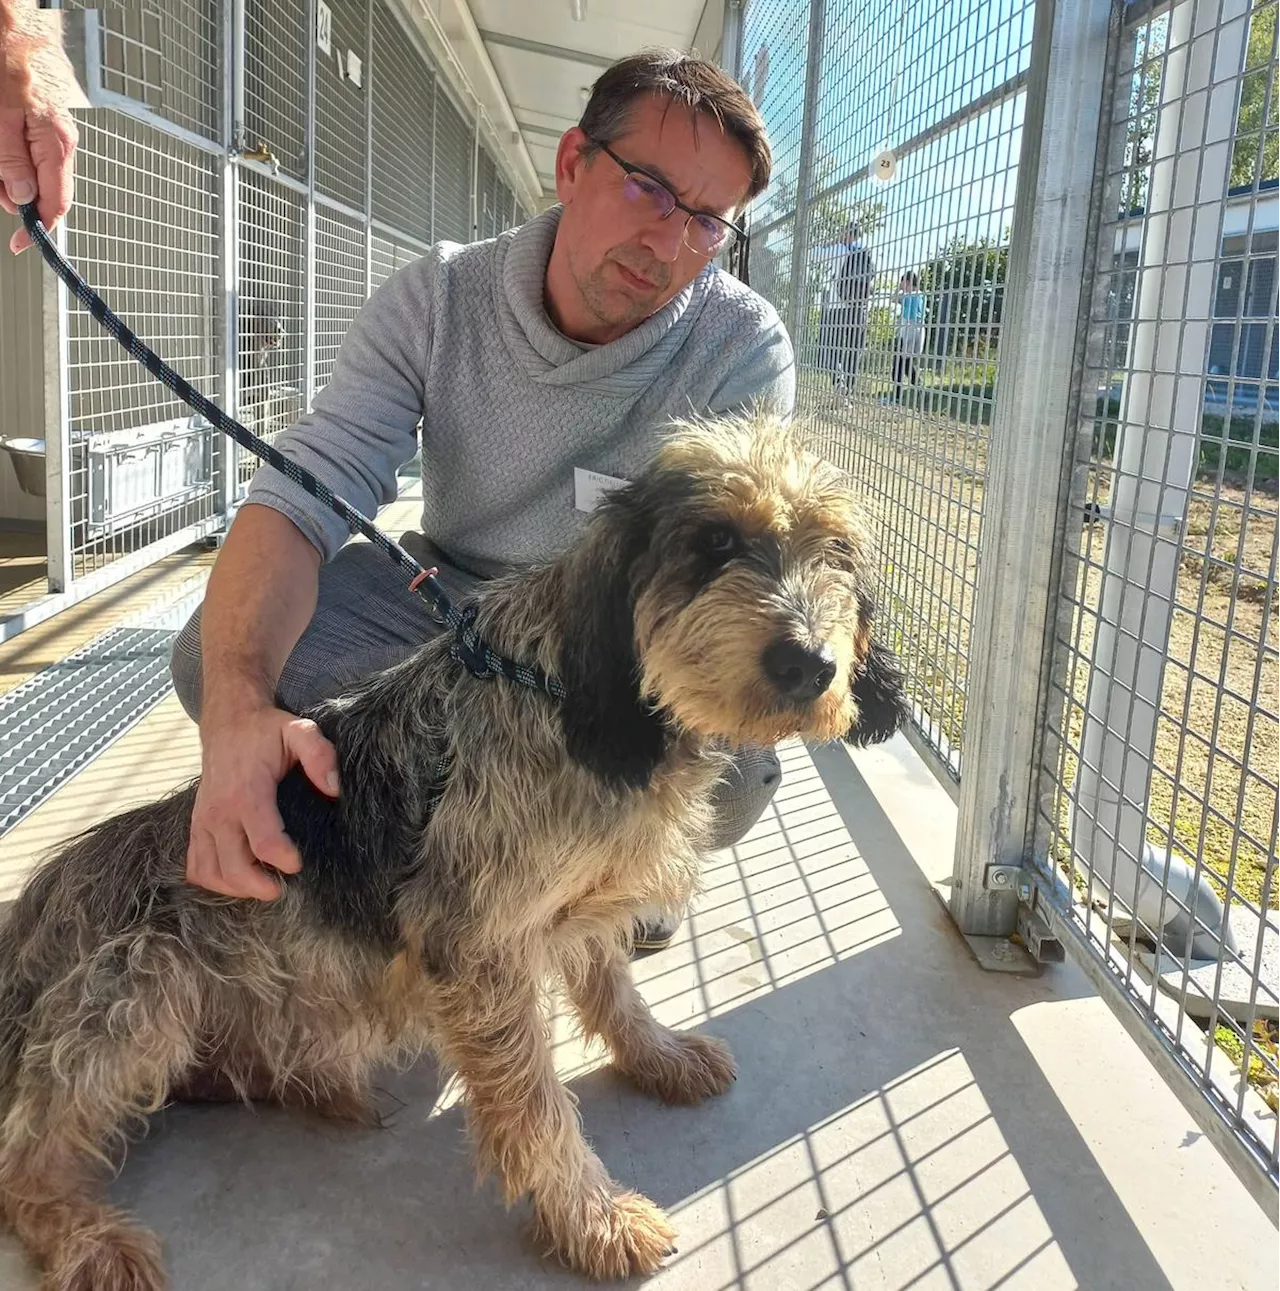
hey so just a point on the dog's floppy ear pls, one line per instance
(880, 691)
(608, 726)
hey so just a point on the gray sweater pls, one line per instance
(509, 405)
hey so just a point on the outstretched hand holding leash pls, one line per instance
(38, 137)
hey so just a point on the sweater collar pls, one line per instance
(520, 269)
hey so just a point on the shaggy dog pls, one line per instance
(489, 841)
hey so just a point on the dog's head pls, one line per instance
(728, 590)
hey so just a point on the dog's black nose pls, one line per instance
(797, 671)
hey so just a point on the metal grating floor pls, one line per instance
(62, 718)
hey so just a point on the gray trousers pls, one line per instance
(366, 620)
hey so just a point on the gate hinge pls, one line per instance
(1009, 878)
(1034, 930)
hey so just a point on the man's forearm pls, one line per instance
(261, 596)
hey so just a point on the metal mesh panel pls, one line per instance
(390, 255)
(275, 80)
(897, 375)
(403, 128)
(495, 189)
(167, 57)
(382, 260)
(454, 149)
(407, 254)
(271, 325)
(771, 264)
(146, 227)
(144, 230)
(486, 194)
(505, 206)
(1159, 776)
(340, 133)
(340, 286)
(191, 45)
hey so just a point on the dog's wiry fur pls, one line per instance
(121, 986)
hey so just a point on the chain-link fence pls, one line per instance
(1027, 256)
(239, 195)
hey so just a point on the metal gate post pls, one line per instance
(804, 175)
(309, 247)
(435, 145)
(1040, 370)
(475, 177)
(55, 308)
(233, 30)
(731, 39)
(56, 419)
(369, 72)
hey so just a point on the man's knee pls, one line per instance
(185, 667)
(744, 793)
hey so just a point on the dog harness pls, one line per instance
(467, 648)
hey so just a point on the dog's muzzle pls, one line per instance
(799, 673)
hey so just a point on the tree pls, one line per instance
(1144, 108)
(1255, 155)
(963, 287)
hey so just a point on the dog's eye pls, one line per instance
(841, 550)
(720, 541)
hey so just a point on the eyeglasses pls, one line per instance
(703, 232)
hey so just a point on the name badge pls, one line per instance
(589, 488)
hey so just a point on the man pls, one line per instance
(37, 134)
(560, 349)
(842, 328)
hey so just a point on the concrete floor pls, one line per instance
(901, 1119)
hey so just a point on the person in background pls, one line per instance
(909, 337)
(853, 285)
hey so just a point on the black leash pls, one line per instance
(468, 648)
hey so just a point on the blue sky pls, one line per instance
(891, 69)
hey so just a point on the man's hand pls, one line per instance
(236, 830)
(38, 138)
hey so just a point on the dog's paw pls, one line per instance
(114, 1257)
(610, 1236)
(682, 1067)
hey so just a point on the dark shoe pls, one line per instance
(654, 931)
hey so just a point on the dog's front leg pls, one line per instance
(526, 1128)
(675, 1066)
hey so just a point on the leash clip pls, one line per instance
(438, 615)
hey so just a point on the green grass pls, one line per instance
(1260, 1075)
(959, 389)
(1258, 460)
(1250, 449)
(960, 401)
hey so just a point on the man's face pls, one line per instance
(621, 264)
